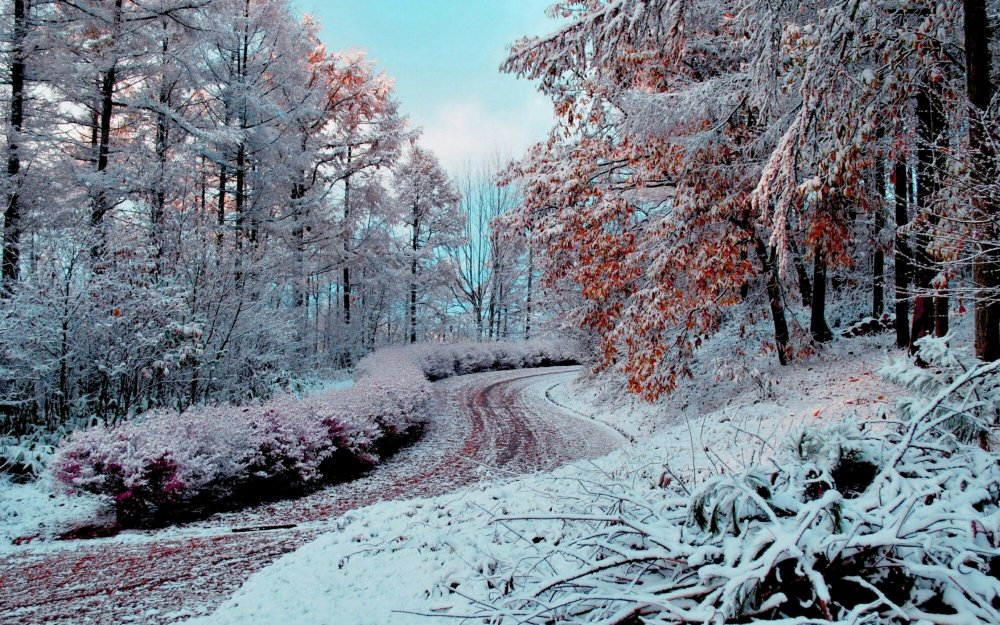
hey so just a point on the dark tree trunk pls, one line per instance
(941, 306)
(769, 265)
(347, 241)
(902, 255)
(162, 139)
(162, 146)
(414, 247)
(220, 211)
(12, 212)
(805, 287)
(818, 328)
(986, 268)
(102, 202)
(878, 256)
(203, 184)
(413, 301)
(300, 297)
(529, 294)
(929, 307)
(239, 206)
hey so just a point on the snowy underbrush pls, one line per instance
(171, 462)
(24, 457)
(892, 521)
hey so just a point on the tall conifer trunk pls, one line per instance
(102, 201)
(347, 241)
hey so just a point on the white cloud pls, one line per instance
(467, 131)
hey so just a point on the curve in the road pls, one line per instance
(485, 426)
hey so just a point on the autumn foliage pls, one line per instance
(705, 152)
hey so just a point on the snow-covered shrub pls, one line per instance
(858, 522)
(169, 460)
(25, 456)
(439, 361)
(164, 460)
(292, 439)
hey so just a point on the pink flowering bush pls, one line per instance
(170, 461)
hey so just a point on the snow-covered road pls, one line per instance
(486, 426)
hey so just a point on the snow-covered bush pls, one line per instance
(439, 361)
(25, 456)
(858, 522)
(169, 460)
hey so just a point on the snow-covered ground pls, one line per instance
(36, 509)
(428, 560)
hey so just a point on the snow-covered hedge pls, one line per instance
(894, 521)
(169, 460)
(439, 361)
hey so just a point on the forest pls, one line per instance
(203, 204)
(732, 161)
(757, 250)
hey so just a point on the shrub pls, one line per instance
(169, 461)
(24, 456)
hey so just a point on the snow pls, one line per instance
(338, 381)
(428, 560)
(36, 510)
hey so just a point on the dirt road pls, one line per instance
(485, 426)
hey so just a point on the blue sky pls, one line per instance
(443, 56)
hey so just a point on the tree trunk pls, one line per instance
(220, 212)
(347, 241)
(239, 206)
(805, 287)
(300, 286)
(162, 140)
(203, 185)
(941, 306)
(930, 126)
(12, 213)
(769, 263)
(878, 256)
(413, 300)
(102, 202)
(986, 268)
(414, 247)
(529, 294)
(818, 328)
(901, 271)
